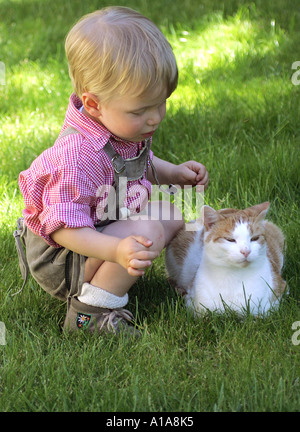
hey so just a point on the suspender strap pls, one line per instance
(68, 131)
(129, 169)
(133, 168)
(124, 170)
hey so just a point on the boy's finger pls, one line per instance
(140, 264)
(134, 272)
(146, 255)
(143, 240)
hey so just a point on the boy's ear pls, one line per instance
(91, 104)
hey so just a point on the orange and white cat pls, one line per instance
(234, 260)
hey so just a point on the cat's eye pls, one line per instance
(231, 240)
(255, 238)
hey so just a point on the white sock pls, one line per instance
(98, 297)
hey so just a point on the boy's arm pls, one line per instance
(131, 252)
(164, 171)
(188, 173)
(88, 242)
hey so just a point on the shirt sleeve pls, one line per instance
(60, 199)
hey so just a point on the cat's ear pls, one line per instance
(260, 210)
(264, 208)
(210, 216)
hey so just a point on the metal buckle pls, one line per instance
(117, 171)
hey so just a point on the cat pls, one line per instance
(233, 260)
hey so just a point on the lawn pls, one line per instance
(236, 110)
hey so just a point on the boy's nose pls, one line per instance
(155, 119)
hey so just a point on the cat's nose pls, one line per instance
(245, 252)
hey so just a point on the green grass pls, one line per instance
(235, 110)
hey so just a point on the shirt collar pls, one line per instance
(96, 133)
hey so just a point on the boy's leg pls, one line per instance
(101, 301)
(113, 277)
(162, 225)
(105, 292)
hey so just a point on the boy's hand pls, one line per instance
(134, 255)
(191, 173)
(188, 173)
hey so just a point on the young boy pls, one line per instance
(122, 69)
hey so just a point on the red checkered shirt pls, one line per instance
(64, 186)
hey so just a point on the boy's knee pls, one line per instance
(158, 234)
(154, 231)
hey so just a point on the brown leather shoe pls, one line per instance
(81, 316)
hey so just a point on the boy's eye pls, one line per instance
(137, 113)
(229, 239)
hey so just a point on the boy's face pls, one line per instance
(134, 118)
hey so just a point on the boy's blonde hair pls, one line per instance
(116, 50)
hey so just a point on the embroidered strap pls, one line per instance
(68, 131)
(124, 170)
(133, 168)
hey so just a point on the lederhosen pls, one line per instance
(60, 271)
